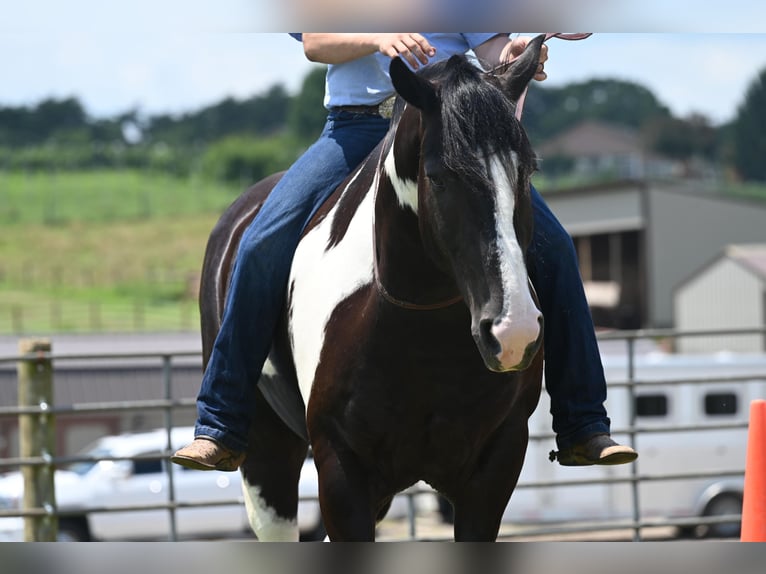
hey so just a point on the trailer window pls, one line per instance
(651, 405)
(720, 404)
(147, 466)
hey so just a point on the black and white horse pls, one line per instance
(411, 343)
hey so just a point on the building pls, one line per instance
(637, 240)
(728, 292)
(594, 148)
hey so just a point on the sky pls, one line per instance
(174, 56)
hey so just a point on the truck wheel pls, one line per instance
(73, 530)
(723, 504)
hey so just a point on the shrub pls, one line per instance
(243, 159)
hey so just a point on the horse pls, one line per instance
(410, 343)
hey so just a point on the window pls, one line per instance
(720, 404)
(651, 405)
(147, 466)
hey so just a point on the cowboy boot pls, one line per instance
(597, 449)
(206, 453)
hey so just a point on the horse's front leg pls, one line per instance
(480, 505)
(270, 475)
(344, 496)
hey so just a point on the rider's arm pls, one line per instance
(340, 48)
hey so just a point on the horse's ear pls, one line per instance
(521, 71)
(412, 88)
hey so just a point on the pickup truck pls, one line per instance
(84, 489)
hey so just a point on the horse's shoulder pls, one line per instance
(343, 204)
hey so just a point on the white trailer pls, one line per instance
(693, 418)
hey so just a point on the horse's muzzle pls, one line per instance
(509, 345)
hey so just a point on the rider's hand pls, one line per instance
(412, 47)
(517, 47)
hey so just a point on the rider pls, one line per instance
(357, 83)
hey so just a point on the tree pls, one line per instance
(307, 115)
(59, 115)
(682, 138)
(549, 111)
(749, 132)
(24, 126)
(244, 160)
(262, 114)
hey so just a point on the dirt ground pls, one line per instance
(430, 526)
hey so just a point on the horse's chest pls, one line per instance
(417, 398)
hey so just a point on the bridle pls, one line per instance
(456, 298)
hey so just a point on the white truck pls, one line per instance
(87, 486)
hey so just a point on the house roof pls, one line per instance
(592, 137)
(749, 255)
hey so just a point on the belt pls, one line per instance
(384, 109)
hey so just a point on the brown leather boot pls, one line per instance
(206, 453)
(598, 449)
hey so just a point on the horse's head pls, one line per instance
(472, 163)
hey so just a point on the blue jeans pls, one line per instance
(574, 376)
(262, 268)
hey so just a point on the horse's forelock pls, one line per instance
(477, 120)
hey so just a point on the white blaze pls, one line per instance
(518, 324)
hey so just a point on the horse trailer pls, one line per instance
(690, 416)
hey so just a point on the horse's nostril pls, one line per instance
(487, 338)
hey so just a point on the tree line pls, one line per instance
(250, 138)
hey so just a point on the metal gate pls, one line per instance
(36, 412)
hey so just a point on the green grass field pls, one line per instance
(114, 250)
(104, 251)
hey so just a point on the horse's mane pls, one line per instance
(477, 118)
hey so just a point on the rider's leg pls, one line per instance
(574, 375)
(258, 283)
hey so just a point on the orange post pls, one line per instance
(754, 500)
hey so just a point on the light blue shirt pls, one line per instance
(365, 81)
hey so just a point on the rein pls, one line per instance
(548, 36)
(408, 304)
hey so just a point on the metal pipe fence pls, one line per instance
(168, 404)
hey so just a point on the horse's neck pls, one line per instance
(404, 271)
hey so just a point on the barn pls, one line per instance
(637, 240)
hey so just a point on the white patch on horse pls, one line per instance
(268, 369)
(519, 323)
(267, 525)
(321, 279)
(406, 190)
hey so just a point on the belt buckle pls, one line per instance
(386, 108)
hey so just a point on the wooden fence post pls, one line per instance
(37, 438)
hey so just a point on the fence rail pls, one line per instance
(40, 412)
